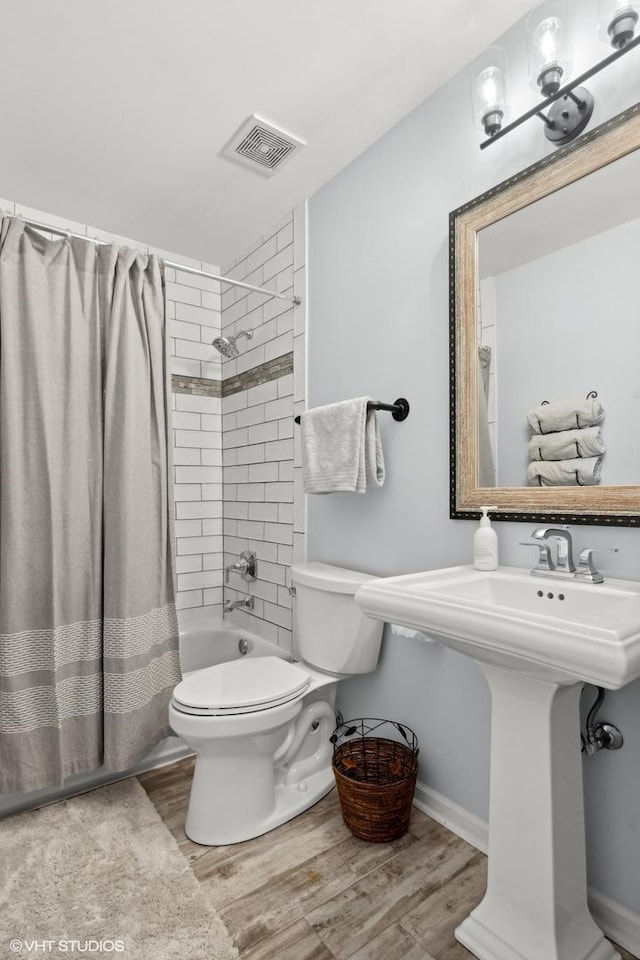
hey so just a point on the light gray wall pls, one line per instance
(378, 325)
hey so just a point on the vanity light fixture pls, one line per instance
(618, 20)
(489, 91)
(549, 63)
(550, 67)
(567, 106)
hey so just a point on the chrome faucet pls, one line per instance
(564, 547)
(231, 605)
(561, 565)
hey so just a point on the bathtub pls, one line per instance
(202, 644)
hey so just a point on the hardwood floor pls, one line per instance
(310, 890)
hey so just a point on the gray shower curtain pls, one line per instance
(88, 628)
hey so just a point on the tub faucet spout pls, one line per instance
(231, 605)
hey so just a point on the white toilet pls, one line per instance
(260, 726)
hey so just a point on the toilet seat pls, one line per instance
(240, 686)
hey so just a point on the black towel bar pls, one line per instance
(399, 410)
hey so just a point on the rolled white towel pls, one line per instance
(568, 415)
(565, 473)
(567, 444)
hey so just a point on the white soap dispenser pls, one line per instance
(485, 543)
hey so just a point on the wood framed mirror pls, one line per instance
(544, 307)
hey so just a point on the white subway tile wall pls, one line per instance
(264, 503)
(193, 308)
(193, 312)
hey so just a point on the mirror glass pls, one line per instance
(560, 312)
(546, 337)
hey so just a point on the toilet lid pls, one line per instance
(240, 686)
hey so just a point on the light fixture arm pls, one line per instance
(580, 103)
(538, 113)
(580, 99)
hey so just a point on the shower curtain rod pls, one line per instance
(168, 263)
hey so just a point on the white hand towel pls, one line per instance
(565, 473)
(341, 448)
(569, 415)
(567, 444)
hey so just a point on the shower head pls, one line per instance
(227, 345)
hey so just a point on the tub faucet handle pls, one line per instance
(246, 565)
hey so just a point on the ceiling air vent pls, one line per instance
(261, 146)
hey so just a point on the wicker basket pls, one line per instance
(376, 777)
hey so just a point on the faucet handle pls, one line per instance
(245, 565)
(238, 565)
(545, 560)
(587, 571)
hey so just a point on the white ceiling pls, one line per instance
(113, 112)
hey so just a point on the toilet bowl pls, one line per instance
(260, 726)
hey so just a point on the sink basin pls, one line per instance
(560, 630)
(536, 640)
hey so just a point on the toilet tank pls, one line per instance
(330, 632)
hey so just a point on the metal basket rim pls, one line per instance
(365, 727)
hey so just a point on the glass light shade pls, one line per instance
(617, 21)
(489, 90)
(549, 64)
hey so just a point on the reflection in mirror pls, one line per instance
(545, 310)
(560, 313)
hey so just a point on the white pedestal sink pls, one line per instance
(537, 640)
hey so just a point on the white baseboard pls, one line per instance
(617, 922)
(471, 828)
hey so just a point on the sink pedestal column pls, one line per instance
(535, 907)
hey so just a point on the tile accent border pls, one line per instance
(262, 373)
(196, 386)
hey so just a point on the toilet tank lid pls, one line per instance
(324, 576)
